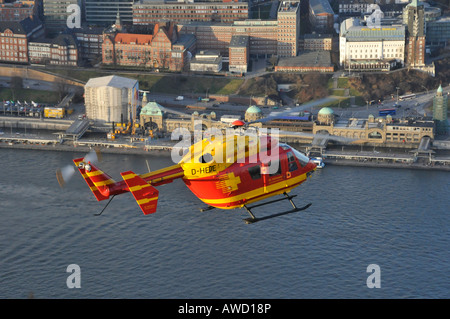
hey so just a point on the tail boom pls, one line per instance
(140, 186)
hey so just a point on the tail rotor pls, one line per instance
(64, 174)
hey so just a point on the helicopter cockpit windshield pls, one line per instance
(302, 158)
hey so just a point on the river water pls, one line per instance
(397, 219)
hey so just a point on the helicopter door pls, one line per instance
(275, 173)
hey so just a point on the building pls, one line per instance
(238, 54)
(253, 113)
(317, 42)
(151, 12)
(384, 131)
(440, 112)
(371, 48)
(206, 61)
(55, 13)
(288, 18)
(90, 40)
(307, 61)
(415, 37)
(217, 36)
(321, 15)
(111, 99)
(162, 49)
(438, 32)
(104, 12)
(17, 11)
(152, 117)
(62, 51)
(14, 38)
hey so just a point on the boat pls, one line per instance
(318, 161)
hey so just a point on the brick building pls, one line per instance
(62, 51)
(415, 36)
(14, 38)
(157, 11)
(17, 11)
(162, 49)
(238, 54)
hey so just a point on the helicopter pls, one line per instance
(224, 172)
(237, 170)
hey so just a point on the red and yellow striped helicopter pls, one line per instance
(224, 172)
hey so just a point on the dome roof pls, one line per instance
(439, 90)
(152, 108)
(326, 111)
(253, 109)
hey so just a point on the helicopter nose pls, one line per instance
(310, 167)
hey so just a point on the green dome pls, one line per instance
(253, 109)
(439, 90)
(326, 111)
(152, 109)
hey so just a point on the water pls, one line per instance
(397, 219)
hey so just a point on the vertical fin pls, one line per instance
(91, 185)
(146, 195)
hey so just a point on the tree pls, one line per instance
(16, 84)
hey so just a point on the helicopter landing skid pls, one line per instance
(252, 219)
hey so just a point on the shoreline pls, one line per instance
(167, 152)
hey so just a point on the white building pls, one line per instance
(206, 61)
(111, 99)
(371, 47)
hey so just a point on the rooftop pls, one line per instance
(111, 80)
(238, 41)
(320, 7)
(308, 58)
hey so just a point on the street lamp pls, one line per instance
(397, 93)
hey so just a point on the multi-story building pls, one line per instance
(415, 24)
(265, 37)
(151, 12)
(62, 51)
(440, 111)
(217, 36)
(90, 40)
(17, 11)
(321, 15)
(104, 12)
(239, 54)
(363, 48)
(14, 38)
(438, 32)
(288, 28)
(55, 13)
(162, 49)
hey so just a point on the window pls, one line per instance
(255, 172)
(292, 163)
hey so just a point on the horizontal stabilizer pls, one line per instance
(146, 195)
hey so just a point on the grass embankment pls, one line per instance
(165, 83)
(46, 97)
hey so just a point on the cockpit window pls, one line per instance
(302, 158)
(291, 162)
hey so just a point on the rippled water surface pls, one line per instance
(397, 219)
